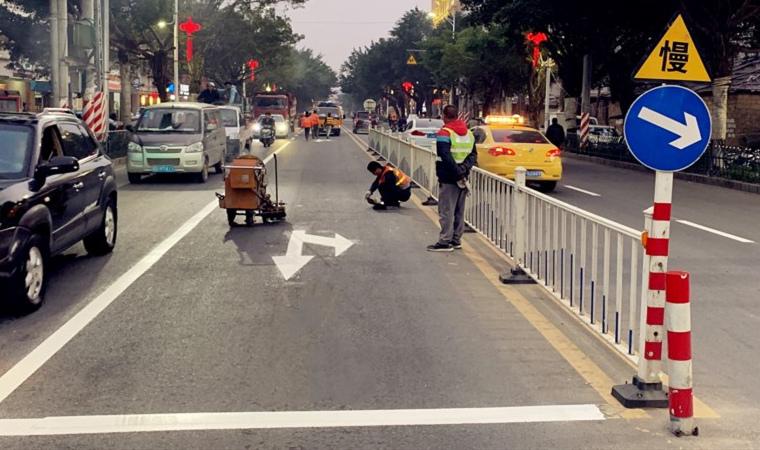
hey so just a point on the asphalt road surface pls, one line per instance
(190, 336)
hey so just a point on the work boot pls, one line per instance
(456, 245)
(379, 207)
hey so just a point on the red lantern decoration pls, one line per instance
(407, 85)
(537, 39)
(253, 64)
(190, 28)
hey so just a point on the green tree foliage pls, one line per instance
(24, 24)
(380, 69)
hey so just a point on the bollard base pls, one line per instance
(640, 395)
(683, 427)
(516, 276)
(430, 202)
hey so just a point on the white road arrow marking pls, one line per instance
(688, 133)
(294, 260)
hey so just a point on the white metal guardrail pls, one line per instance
(590, 263)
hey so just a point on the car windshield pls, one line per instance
(519, 136)
(323, 111)
(229, 117)
(428, 123)
(170, 120)
(14, 153)
(271, 102)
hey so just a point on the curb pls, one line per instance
(694, 178)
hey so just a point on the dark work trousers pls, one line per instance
(451, 201)
(306, 132)
(391, 195)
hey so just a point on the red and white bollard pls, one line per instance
(645, 391)
(678, 320)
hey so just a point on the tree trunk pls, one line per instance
(159, 67)
(720, 107)
(125, 108)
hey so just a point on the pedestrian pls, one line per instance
(315, 124)
(328, 125)
(306, 124)
(231, 92)
(555, 133)
(393, 184)
(456, 155)
(209, 95)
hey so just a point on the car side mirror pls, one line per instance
(57, 165)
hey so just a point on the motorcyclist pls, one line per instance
(267, 121)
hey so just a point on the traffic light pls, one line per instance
(407, 86)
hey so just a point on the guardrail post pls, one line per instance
(517, 275)
(431, 201)
(678, 318)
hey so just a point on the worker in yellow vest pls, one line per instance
(394, 186)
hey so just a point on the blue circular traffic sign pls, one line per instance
(668, 128)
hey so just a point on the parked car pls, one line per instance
(234, 124)
(56, 188)
(603, 134)
(422, 132)
(177, 138)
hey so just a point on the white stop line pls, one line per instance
(141, 423)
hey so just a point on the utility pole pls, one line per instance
(55, 55)
(586, 86)
(106, 11)
(548, 65)
(176, 50)
(91, 71)
(64, 94)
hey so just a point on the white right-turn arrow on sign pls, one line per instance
(688, 133)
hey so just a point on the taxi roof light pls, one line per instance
(514, 119)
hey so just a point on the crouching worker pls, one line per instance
(393, 184)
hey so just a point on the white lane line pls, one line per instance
(141, 423)
(583, 191)
(714, 231)
(19, 373)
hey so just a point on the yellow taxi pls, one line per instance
(505, 143)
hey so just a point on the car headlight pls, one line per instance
(281, 127)
(134, 147)
(257, 127)
(194, 148)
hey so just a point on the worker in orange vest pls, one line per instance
(394, 186)
(305, 123)
(315, 124)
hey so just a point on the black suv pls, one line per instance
(56, 189)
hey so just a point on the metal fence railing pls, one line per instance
(589, 263)
(116, 143)
(730, 162)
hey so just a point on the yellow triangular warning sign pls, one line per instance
(674, 58)
(412, 61)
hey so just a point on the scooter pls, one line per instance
(266, 136)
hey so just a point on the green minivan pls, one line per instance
(177, 138)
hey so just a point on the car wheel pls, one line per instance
(547, 186)
(219, 167)
(202, 176)
(231, 215)
(103, 240)
(29, 284)
(134, 178)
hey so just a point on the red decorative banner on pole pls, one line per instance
(537, 39)
(190, 28)
(253, 64)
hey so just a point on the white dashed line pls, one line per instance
(143, 423)
(714, 231)
(583, 191)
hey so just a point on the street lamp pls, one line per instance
(451, 17)
(162, 24)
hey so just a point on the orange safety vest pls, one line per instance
(314, 120)
(402, 180)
